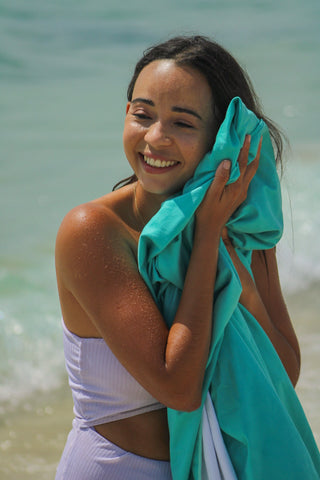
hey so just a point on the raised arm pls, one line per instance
(98, 278)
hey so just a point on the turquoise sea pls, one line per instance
(64, 69)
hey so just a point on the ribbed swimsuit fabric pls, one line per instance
(103, 391)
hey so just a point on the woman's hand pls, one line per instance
(222, 200)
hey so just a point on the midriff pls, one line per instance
(146, 435)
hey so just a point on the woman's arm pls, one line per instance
(265, 271)
(97, 269)
(263, 299)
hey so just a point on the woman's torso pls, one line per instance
(145, 434)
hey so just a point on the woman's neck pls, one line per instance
(146, 204)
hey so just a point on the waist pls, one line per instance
(146, 435)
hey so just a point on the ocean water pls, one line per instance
(64, 68)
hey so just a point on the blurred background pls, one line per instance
(64, 69)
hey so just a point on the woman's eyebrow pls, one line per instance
(143, 100)
(186, 110)
(174, 109)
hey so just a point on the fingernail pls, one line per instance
(226, 164)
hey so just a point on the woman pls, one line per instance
(125, 365)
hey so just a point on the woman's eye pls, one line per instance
(141, 116)
(184, 125)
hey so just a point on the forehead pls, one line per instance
(165, 80)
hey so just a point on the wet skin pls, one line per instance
(169, 126)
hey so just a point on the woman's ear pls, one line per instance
(127, 107)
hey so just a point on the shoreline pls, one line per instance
(304, 309)
(33, 436)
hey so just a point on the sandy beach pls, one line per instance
(32, 438)
(304, 309)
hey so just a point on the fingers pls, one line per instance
(245, 169)
(251, 169)
(244, 154)
(247, 172)
(227, 198)
(221, 177)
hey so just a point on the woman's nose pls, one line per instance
(157, 135)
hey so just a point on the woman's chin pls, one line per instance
(165, 190)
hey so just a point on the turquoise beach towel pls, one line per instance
(262, 422)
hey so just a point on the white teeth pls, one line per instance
(158, 163)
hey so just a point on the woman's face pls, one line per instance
(169, 125)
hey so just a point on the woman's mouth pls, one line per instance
(154, 163)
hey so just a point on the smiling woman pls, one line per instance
(127, 361)
(169, 126)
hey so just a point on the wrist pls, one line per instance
(207, 231)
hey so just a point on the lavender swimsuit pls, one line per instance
(103, 391)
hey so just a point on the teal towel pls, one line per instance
(262, 422)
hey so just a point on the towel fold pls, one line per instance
(216, 463)
(261, 420)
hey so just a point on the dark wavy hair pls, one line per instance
(226, 79)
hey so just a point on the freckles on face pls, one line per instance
(169, 120)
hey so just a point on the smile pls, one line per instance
(157, 163)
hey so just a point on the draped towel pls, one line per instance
(261, 420)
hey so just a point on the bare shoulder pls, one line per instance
(88, 221)
(95, 227)
(96, 249)
(102, 293)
